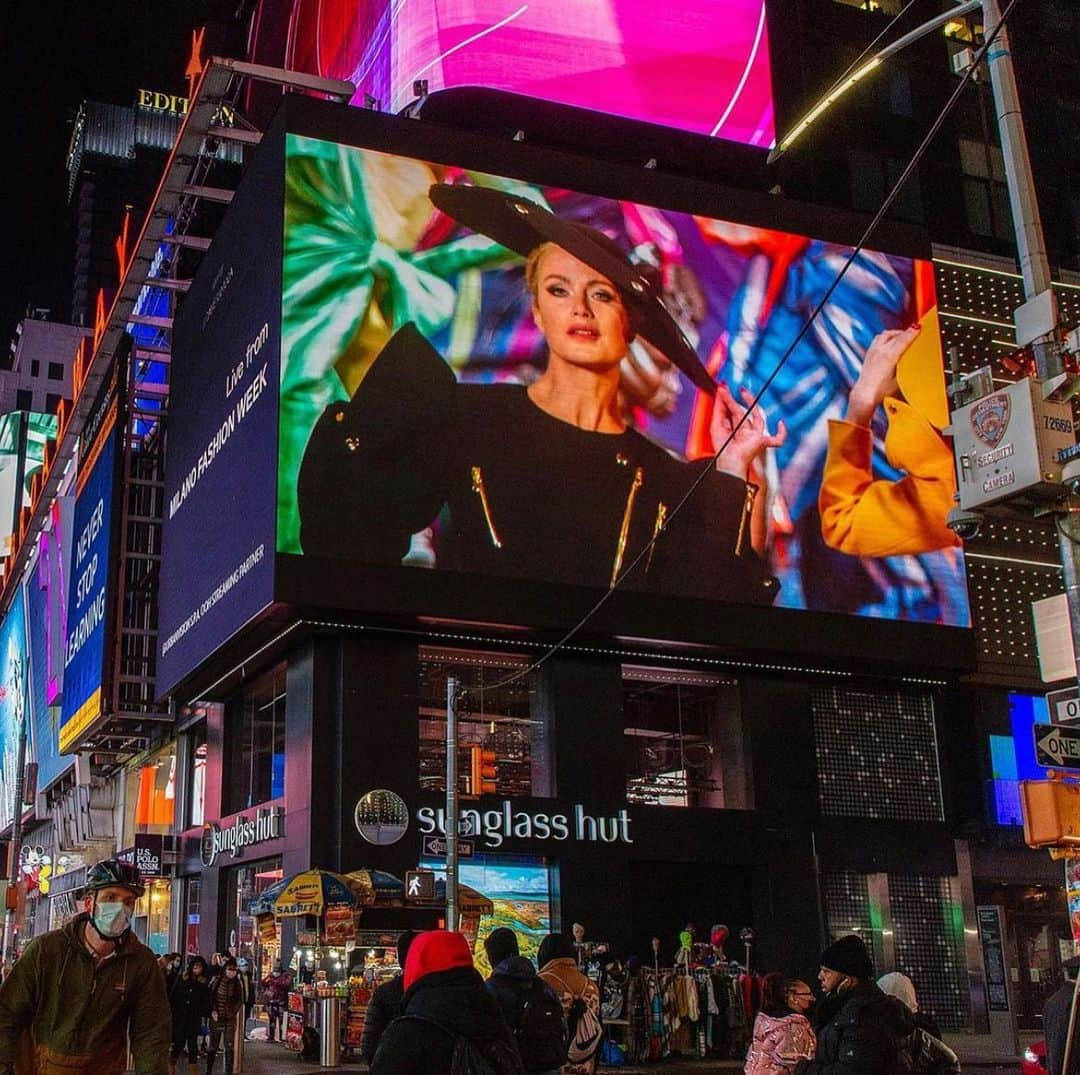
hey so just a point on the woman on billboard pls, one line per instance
(545, 481)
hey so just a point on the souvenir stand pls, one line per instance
(700, 1004)
(324, 906)
(374, 956)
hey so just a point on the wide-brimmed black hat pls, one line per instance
(522, 225)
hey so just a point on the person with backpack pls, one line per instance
(926, 1053)
(225, 999)
(385, 1004)
(529, 1006)
(580, 999)
(449, 1023)
(861, 1030)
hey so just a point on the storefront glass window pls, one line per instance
(196, 796)
(242, 885)
(154, 791)
(255, 743)
(684, 740)
(504, 720)
(151, 920)
(192, 886)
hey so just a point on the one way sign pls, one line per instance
(1057, 746)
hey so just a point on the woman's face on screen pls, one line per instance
(580, 312)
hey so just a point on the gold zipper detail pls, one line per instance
(748, 510)
(624, 530)
(481, 492)
(658, 526)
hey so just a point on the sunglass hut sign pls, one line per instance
(495, 826)
(243, 832)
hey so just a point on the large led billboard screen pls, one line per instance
(88, 585)
(218, 531)
(46, 631)
(490, 377)
(13, 698)
(700, 65)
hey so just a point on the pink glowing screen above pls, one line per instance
(699, 65)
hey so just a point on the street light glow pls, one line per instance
(823, 105)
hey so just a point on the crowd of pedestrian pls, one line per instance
(82, 995)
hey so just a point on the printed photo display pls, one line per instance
(488, 376)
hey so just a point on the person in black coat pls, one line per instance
(445, 1000)
(862, 1030)
(546, 481)
(1056, 1020)
(385, 1004)
(189, 999)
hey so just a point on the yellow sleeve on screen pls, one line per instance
(862, 516)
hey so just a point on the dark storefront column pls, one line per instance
(378, 745)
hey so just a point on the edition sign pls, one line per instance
(243, 832)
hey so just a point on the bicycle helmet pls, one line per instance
(113, 872)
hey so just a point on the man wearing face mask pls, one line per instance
(79, 994)
(860, 1028)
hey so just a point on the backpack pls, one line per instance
(541, 1029)
(586, 1032)
(472, 1056)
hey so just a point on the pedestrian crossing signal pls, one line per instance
(484, 771)
(1051, 813)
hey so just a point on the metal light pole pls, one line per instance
(451, 805)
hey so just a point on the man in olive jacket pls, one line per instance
(861, 1030)
(77, 995)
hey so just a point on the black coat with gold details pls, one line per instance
(514, 492)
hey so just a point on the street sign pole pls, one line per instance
(451, 804)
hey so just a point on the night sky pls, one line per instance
(54, 53)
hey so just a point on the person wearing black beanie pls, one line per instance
(385, 1004)
(864, 1030)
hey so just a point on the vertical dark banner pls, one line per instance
(220, 480)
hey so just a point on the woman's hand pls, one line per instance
(752, 437)
(877, 378)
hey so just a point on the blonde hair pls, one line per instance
(532, 266)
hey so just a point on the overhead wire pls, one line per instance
(886, 205)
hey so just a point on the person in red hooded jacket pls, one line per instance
(445, 1008)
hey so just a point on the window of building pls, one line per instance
(52, 402)
(196, 789)
(35, 368)
(24, 400)
(504, 719)
(154, 791)
(873, 176)
(150, 922)
(986, 197)
(684, 740)
(56, 371)
(190, 928)
(242, 885)
(254, 769)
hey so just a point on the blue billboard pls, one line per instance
(217, 569)
(91, 563)
(46, 631)
(12, 701)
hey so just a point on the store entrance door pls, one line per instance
(1041, 947)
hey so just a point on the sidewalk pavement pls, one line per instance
(272, 1058)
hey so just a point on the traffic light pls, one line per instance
(1051, 813)
(484, 771)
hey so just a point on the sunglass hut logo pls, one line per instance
(495, 826)
(243, 832)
